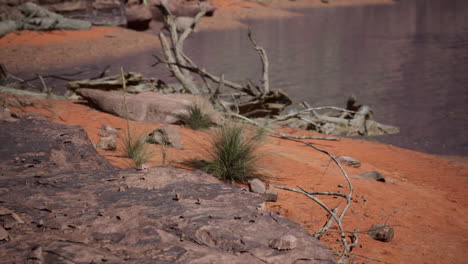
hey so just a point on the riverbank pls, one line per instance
(30, 51)
(423, 197)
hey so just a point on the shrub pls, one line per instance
(196, 119)
(134, 148)
(233, 153)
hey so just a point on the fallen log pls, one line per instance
(135, 83)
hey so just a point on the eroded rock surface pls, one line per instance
(77, 208)
(149, 106)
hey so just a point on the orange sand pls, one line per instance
(425, 200)
(426, 203)
(28, 37)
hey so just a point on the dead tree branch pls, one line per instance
(347, 245)
(257, 101)
(279, 134)
(263, 56)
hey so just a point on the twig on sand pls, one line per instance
(353, 239)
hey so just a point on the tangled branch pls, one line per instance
(334, 217)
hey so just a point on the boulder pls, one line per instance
(257, 186)
(149, 106)
(167, 136)
(108, 131)
(107, 143)
(372, 175)
(138, 16)
(271, 195)
(71, 199)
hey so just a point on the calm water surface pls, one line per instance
(408, 61)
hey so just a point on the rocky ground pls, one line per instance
(423, 197)
(64, 203)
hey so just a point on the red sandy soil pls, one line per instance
(29, 51)
(425, 200)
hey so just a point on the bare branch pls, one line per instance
(263, 56)
(282, 135)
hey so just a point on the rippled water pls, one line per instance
(408, 61)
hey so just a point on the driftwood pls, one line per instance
(135, 83)
(334, 216)
(256, 101)
(336, 121)
(39, 18)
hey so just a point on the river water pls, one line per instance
(408, 61)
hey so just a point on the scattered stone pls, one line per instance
(286, 242)
(138, 16)
(166, 136)
(107, 143)
(381, 232)
(142, 167)
(5, 212)
(3, 234)
(36, 253)
(372, 175)
(182, 23)
(121, 189)
(349, 161)
(5, 115)
(271, 195)
(257, 186)
(108, 131)
(340, 185)
(108, 139)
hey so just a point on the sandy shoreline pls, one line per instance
(424, 197)
(426, 200)
(25, 51)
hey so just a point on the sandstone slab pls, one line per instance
(149, 106)
(72, 207)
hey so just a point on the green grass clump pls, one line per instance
(196, 119)
(134, 148)
(233, 154)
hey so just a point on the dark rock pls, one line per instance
(271, 195)
(372, 175)
(167, 136)
(138, 16)
(381, 232)
(257, 186)
(71, 196)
